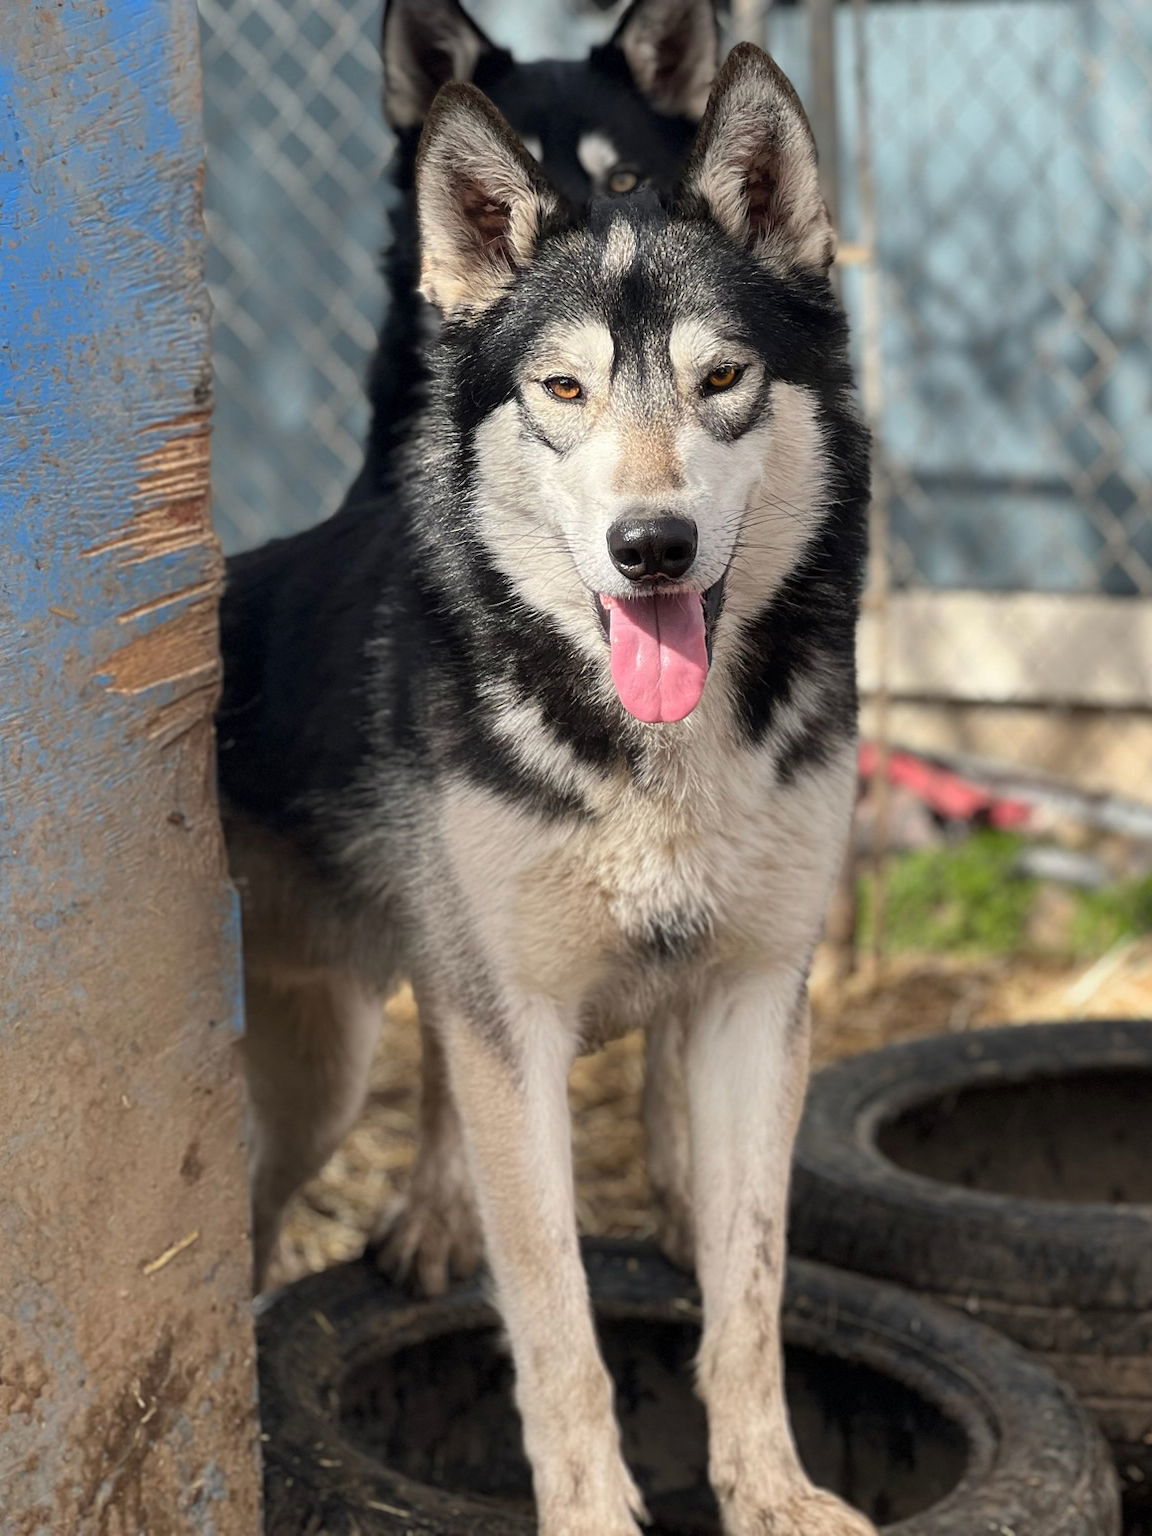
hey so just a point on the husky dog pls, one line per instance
(619, 119)
(563, 729)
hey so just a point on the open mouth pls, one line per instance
(661, 649)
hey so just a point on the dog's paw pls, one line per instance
(427, 1240)
(810, 1512)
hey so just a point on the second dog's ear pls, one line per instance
(672, 49)
(754, 166)
(424, 45)
(481, 202)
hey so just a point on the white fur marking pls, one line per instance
(597, 154)
(619, 249)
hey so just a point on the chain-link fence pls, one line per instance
(992, 165)
(1011, 146)
(296, 219)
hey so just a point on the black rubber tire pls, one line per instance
(1069, 1280)
(1028, 1460)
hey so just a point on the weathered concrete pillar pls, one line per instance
(126, 1374)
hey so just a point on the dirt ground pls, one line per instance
(904, 999)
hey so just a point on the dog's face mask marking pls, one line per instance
(641, 445)
(641, 450)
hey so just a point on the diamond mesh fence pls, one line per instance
(1002, 151)
(296, 217)
(1015, 218)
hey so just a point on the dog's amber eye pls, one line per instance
(623, 181)
(722, 378)
(564, 388)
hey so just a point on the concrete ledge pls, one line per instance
(1022, 648)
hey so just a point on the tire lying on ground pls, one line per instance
(385, 1415)
(1008, 1172)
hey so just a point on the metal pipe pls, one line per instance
(750, 21)
(822, 108)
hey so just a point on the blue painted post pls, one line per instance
(126, 1380)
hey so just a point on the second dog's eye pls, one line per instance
(564, 388)
(622, 181)
(722, 378)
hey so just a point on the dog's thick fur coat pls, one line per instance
(429, 771)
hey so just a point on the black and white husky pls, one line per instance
(562, 729)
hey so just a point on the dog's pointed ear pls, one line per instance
(753, 166)
(424, 44)
(481, 202)
(672, 49)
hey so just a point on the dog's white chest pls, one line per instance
(683, 871)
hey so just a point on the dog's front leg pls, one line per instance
(747, 1065)
(433, 1233)
(509, 1075)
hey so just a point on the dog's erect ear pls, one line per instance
(424, 45)
(481, 202)
(754, 166)
(672, 49)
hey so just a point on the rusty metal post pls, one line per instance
(126, 1372)
(822, 105)
(878, 597)
(750, 22)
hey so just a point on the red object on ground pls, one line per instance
(944, 792)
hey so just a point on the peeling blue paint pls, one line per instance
(80, 251)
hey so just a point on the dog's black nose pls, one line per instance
(646, 548)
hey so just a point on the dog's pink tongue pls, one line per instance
(659, 654)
